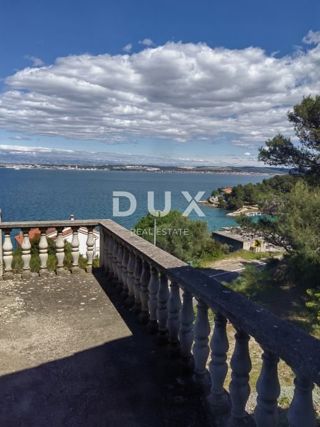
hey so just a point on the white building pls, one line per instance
(83, 236)
(67, 237)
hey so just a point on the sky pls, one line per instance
(203, 82)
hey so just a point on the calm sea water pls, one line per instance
(52, 194)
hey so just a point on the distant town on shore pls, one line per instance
(235, 170)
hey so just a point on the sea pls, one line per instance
(41, 194)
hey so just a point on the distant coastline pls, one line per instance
(230, 170)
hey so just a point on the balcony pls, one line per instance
(140, 341)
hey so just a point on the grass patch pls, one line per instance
(240, 254)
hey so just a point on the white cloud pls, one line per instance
(27, 149)
(182, 92)
(127, 48)
(147, 42)
(313, 37)
(247, 153)
(36, 62)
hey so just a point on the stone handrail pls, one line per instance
(49, 224)
(143, 273)
(162, 290)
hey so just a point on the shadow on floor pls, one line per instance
(126, 382)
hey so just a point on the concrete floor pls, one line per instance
(71, 355)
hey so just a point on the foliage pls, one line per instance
(313, 304)
(215, 193)
(252, 283)
(305, 154)
(293, 201)
(296, 227)
(265, 194)
(269, 287)
(186, 239)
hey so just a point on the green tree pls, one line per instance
(296, 227)
(303, 155)
(187, 239)
(313, 305)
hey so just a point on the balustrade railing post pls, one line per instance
(201, 347)
(118, 254)
(60, 251)
(129, 302)
(7, 255)
(43, 252)
(103, 249)
(124, 271)
(144, 293)
(90, 247)
(162, 308)
(26, 253)
(137, 284)
(239, 386)
(1, 243)
(75, 249)
(219, 398)
(109, 267)
(186, 328)
(114, 253)
(301, 411)
(174, 307)
(152, 302)
(268, 388)
(105, 256)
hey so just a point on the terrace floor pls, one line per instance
(71, 355)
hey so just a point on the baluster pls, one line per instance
(130, 279)
(173, 316)
(60, 251)
(112, 263)
(153, 290)
(104, 252)
(7, 254)
(301, 411)
(137, 275)
(186, 327)
(109, 262)
(26, 253)
(90, 248)
(201, 347)
(124, 273)
(218, 367)
(239, 387)
(1, 252)
(145, 277)
(268, 388)
(118, 253)
(116, 261)
(75, 249)
(43, 252)
(116, 267)
(162, 308)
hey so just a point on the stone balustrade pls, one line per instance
(6, 261)
(175, 300)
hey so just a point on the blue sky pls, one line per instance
(132, 77)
